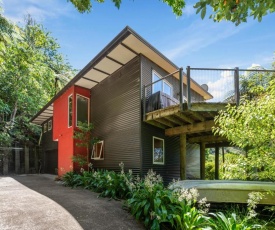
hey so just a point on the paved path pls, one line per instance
(38, 202)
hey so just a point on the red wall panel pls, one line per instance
(64, 134)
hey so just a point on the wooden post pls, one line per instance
(182, 156)
(188, 87)
(202, 160)
(27, 159)
(236, 86)
(216, 163)
(181, 88)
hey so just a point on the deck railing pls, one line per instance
(216, 84)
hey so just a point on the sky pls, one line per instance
(186, 40)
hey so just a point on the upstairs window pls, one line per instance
(82, 109)
(163, 85)
(70, 111)
(98, 151)
(158, 151)
(50, 125)
(45, 127)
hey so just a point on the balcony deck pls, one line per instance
(196, 122)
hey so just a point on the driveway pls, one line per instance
(38, 202)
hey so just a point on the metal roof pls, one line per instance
(123, 48)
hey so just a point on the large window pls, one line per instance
(98, 151)
(70, 110)
(158, 151)
(82, 109)
(163, 85)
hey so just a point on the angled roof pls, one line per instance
(123, 48)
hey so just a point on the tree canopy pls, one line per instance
(251, 125)
(32, 71)
(236, 11)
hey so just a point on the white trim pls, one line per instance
(160, 77)
(101, 151)
(76, 108)
(163, 147)
(71, 95)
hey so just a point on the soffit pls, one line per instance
(122, 49)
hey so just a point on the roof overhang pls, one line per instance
(122, 49)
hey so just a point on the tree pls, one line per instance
(236, 11)
(251, 125)
(30, 65)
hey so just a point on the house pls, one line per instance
(109, 92)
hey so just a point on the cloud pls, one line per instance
(199, 34)
(16, 10)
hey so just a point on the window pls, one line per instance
(45, 127)
(98, 151)
(70, 111)
(158, 151)
(163, 85)
(82, 107)
(50, 125)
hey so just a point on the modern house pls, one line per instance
(139, 104)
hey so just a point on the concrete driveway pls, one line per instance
(38, 202)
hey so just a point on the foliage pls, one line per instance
(210, 170)
(80, 160)
(30, 65)
(250, 126)
(238, 220)
(83, 135)
(154, 204)
(157, 206)
(107, 183)
(236, 11)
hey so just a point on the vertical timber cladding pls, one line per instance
(171, 167)
(49, 157)
(116, 116)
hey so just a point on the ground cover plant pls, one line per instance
(158, 207)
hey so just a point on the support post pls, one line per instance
(6, 162)
(181, 88)
(236, 85)
(217, 163)
(27, 159)
(188, 87)
(17, 161)
(182, 156)
(202, 160)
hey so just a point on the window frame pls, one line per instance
(76, 108)
(70, 125)
(101, 151)
(45, 127)
(162, 83)
(153, 150)
(50, 126)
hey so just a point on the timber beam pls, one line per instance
(208, 107)
(185, 118)
(175, 120)
(192, 128)
(207, 139)
(159, 125)
(162, 112)
(165, 122)
(197, 115)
